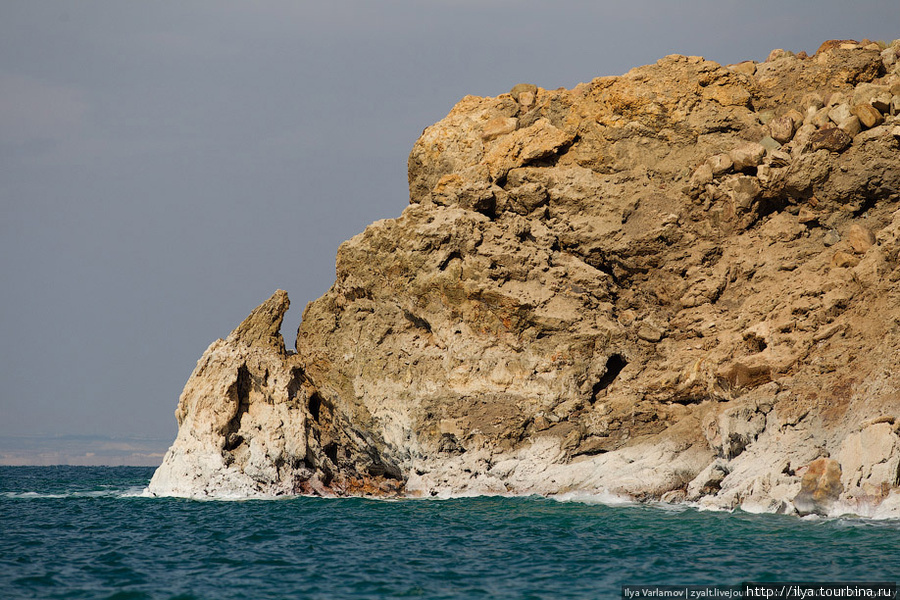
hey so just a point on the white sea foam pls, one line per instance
(603, 497)
(131, 492)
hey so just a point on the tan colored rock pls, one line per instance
(843, 260)
(868, 116)
(782, 129)
(870, 459)
(812, 100)
(719, 164)
(807, 216)
(851, 126)
(702, 176)
(746, 374)
(840, 113)
(819, 488)
(779, 53)
(832, 44)
(882, 102)
(796, 116)
(523, 88)
(778, 159)
(861, 238)
(263, 326)
(539, 141)
(649, 332)
(873, 270)
(747, 156)
(743, 191)
(747, 67)
(803, 136)
(541, 422)
(819, 118)
(498, 127)
(889, 58)
(867, 93)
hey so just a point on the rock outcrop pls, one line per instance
(678, 284)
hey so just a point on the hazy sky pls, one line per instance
(165, 166)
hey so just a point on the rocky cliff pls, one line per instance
(677, 284)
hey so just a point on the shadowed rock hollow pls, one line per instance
(680, 283)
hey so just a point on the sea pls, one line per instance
(90, 532)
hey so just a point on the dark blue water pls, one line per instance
(81, 532)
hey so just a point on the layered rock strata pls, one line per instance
(677, 284)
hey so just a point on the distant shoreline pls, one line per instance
(80, 450)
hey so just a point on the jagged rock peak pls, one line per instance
(263, 326)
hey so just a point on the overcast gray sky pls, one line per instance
(165, 166)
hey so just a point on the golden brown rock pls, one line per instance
(819, 488)
(843, 260)
(832, 44)
(497, 127)
(263, 326)
(868, 116)
(575, 301)
(861, 238)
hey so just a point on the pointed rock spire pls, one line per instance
(262, 327)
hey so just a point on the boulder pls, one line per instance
(840, 113)
(868, 115)
(820, 487)
(832, 139)
(524, 94)
(851, 126)
(860, 237)
(782, 129)
(843, 260)
(719, 164)
(702, 175)
(747, 156)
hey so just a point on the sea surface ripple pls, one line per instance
(85, 532)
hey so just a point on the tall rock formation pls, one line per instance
(680, 283)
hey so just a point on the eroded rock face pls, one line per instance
(626, 287)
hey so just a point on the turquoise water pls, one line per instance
(82, 532)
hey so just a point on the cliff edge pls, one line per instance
(677, 284)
